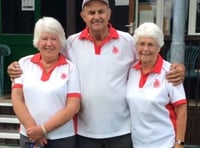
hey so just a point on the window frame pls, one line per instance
(192, 20)
(159, 13)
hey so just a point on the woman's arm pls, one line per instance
(181, 123)
(20, 108)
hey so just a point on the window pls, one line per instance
(157, 11)
(194, 19)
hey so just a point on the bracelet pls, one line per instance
(44, 130)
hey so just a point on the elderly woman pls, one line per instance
(47, 95)
(158, 109)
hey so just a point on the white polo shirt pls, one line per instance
(103, 71)
(151, 101)
(46, 93)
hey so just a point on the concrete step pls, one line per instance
(9, 134)
(5, 102)
(10, 119)
(6, 96)
(9, 146)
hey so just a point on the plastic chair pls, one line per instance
(4, 51)
(190, 60)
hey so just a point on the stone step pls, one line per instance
(6, 96)
(10, 119)
(9, 134)
(10, 146)
(5, 102)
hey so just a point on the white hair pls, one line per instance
(151, 30)
(49, 25)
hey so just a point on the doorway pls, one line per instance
(17, 19)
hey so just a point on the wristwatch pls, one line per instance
(180, 142)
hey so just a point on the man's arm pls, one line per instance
(176, 75)
(14, 70)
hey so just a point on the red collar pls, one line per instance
(112, 33)
(155, 69)
(36, 59)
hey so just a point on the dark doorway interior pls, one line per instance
(15, 20)
(55, 9)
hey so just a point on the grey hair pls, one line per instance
(49, 25)
(151, 30)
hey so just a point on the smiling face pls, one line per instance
(49, 46)
(147, 49)
(96, 15)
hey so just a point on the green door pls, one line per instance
(17, 19)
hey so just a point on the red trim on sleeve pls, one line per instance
(180, 102)
(17, 85)
(77, 95)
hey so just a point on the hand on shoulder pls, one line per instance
(14, 70)
(176, 75)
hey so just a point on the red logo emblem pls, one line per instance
(156, 84)
(63, 76)
(115, 50)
